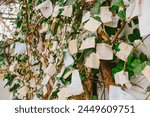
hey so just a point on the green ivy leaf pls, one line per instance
(94, 97)
(119, 3)
(135, 35)
(96, 8)
(148, 89)
(143, 57)
(122, 14)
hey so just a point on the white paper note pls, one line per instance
(133, 10)
(32, 83)
(50, 70)
(144, 46)
(104, 51)
(92, 25)
(46, 8)
(114, 22)
(73, 46)
(75, 88)
(93, 61)
(125, 50)
(88, 43)
(144, 18)
(20, 48)
(86, 16)
(67, 11)
(68, 60)
(105, 14)
(122, 78)
(115, 93)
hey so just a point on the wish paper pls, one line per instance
(104, 51)
(73, 46)
(146, 72)
(133, 10)
(88, 43)
(56, 11)
(114, 22)
(20, 48)
(115, 93)
(68, 60)
(122, 78)
(92, 25)
(86, 16)
(50, 70)
(144, 46)
(144, 18)
(105, 15)
(75, 88)
(67, 11)
(125, 50)
(32, 83)
(92, 61)
(46, 8)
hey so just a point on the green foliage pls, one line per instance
(119, 3)
(94, 97)
(135, 35)
(148, 89)
(122, 14)
(9, 78)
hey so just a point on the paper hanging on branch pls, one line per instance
(32, 83)
(92, 25)
(46, 8)
(125, 50)
(75, 88)
(86, 16)
(50, 70)
(144, 46)
(73, 46)
(20, 48)
(105, 14)
(88, 43)
(104, 51)
(93, 61)
(144, 18)
(67, 11)
(114, 22)
(116, 93)
(68, 60)
(122, 79)
(133, 10)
